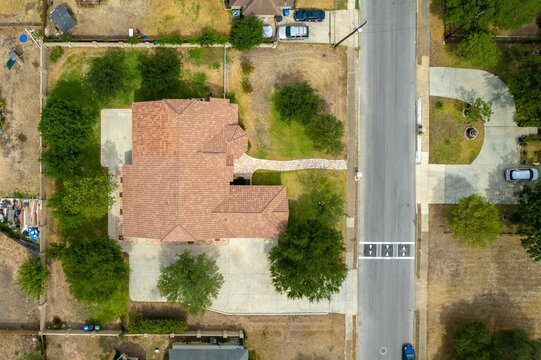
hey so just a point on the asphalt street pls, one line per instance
(387, 188)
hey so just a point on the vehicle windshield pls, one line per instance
(288, 31)
(410, 356)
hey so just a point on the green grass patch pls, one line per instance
(204, 56)
(109, 311)
(448, 144)
(267, 177)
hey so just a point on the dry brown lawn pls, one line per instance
(12, 347)
(499, 285)
(113, 18)
(20, 11)
(270, 337)
(321, 4)
(19, 142)
(321, 66)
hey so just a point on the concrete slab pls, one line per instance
(116, 138)
(245, 267)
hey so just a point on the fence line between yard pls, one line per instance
(192, 333)
(21, 25)
(453, 39)
(146, 45)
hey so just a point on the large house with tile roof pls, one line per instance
(178, 187)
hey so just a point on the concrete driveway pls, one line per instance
(500, 150)
(337, 24)
(245, 267)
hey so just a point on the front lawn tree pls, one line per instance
(480, 109)
(326, 132)
(107, 75)
(246, 33)
(475, 221)
(472, 342)
(191, 281)
(307, 262)
(529, 216)
(32, 277)
(480, 49)
(297, 102)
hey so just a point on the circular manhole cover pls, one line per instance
(383, 350)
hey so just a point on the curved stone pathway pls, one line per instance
(500, 150)
(247, 165)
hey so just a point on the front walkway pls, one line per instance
(247, 165)
(500, 150)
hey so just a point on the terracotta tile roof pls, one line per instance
(178, 185)
(262, 7)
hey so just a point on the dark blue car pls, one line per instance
(309, 15)
(408, 353)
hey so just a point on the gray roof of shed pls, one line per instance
(208, 354)
(63, 19)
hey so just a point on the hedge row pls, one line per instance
(140, 325)
(525, 140)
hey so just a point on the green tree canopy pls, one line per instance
(108, 75)
(514, 345)
(297, 102)
(505, 14)
(480, 49)
(65, 127)
(475, 221)
(481, 109)
(528, 215)
(307, 262)
(160, 74)
(95, 269)
(472, 342)
(326, 132)
(246, 33)
(191, 281)
(32, 277)
(525, 86)
(82, 197)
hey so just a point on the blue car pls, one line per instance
(309, 15)
(408, 353)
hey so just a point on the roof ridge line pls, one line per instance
(275, 196)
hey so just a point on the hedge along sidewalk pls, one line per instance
(247, 165)
(143, 45)
(190, 333)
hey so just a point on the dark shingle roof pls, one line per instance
(63, 19)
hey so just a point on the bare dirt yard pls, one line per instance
(17, 309)
(500, 285)
(113, 18)
(269, 337)
(322, 67)
(20, 11)
(13, 347)
(19, 142)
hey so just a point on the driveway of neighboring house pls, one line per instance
(500, 150)
(244, 265)
(337, 24)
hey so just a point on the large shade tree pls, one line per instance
(525, 86)
(246, 33)
(472, 342)
(308, 261)
(480, 49)
(191, 281)
(475, 221)
(528, 215)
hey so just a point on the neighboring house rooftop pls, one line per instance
(177, 187)
(207, 352)
(62, 18)
(261, 7)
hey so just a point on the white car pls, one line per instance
(292, 32)
(521, 174)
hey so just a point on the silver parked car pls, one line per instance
(292, 32)
(521, 174)
(267, 32)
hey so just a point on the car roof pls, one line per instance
(521, 174)
(298, 30)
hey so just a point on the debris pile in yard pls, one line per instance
(20, 219)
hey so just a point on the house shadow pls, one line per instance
(497, 310)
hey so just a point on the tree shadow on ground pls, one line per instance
(496, 310)
(457, 187)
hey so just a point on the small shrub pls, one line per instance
(200, 78)
(195, 54)
(208, 37)
(480, 49)
(55, 54)
(141, 325)
(32, 277)
(246, 86)
(439, 105)
(133, 40)
(523, 141)
(246, 33)
(175, 39)
(247, 68)
(56, 323)
(326, 132)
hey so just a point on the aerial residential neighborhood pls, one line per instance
(270, 179)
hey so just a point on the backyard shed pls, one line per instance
(63, 19)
